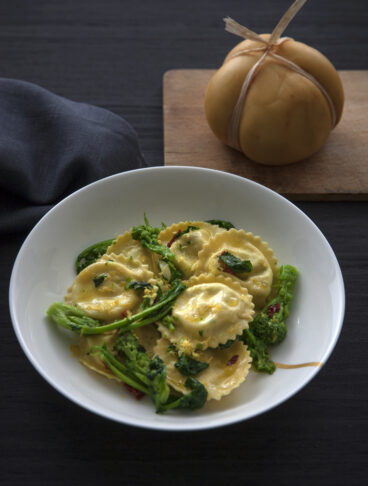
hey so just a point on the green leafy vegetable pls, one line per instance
(148, 237)
(133, 284)
(91, 254)
(135, 368)
(235, 264)
(98, 279)
(152, 373)
(269, 326)
(70, 317)
(192, 400)
(76, 320)
(223, 224)
(261, 359)
(189, 366)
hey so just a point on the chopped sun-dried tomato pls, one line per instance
(233, 360)
(227, 269)
(273, 308)
(136, 393)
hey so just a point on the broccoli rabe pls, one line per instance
(261, 359)
(135, 368)
(193, 400)
(91, 254)
(269, 326)
(76, 320)
(148, 237)
(152, 372)
(132, 366)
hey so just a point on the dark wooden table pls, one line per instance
(113, 53)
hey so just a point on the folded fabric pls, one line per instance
(50, 146)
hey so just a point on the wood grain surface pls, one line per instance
(339, 171)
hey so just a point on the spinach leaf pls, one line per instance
(234, 264)
(189, 366)
(98, 279)
(133, 284)
(193, 400)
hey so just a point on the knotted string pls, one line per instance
(268, 49)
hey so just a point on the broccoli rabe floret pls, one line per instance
(147, 235)
(133, 366)
(270, 330)
(261, 359)
(269, 326)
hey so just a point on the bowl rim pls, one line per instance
(180, 425)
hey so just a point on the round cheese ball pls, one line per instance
(285, 116)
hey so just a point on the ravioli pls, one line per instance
(186, 246)
(227, 369)
(147, 337)
(245, 246)
(205, 321)
(212, 310)
(126, 247)
(100, 289)
(81, 350)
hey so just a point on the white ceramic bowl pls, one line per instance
(44, 268)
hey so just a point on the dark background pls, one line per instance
(113, 53)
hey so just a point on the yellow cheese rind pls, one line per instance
(220, 378)
(212, 310)
(285, 116)
(245, 246)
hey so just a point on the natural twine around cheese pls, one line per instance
(269, 50)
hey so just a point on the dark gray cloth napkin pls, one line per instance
(50, 146)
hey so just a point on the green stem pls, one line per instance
(128, 321)
(117, 368)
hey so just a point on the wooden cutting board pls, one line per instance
(339, 171)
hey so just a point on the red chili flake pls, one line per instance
(124, 313)
(273, 308)
(138, 395)
(232, 360)
(175, 237)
